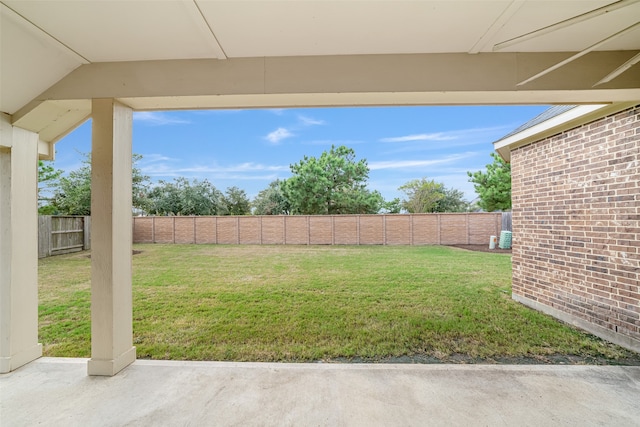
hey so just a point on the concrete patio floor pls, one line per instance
(57, 391)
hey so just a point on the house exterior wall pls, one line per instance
(576, 223)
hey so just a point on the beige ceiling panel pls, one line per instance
(533, 16)
(103, 31)
(285, 28)
(31, 61)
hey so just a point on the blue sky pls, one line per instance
(251, 148)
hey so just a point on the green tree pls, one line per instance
(392, 206)
(452, 201)
(494, 185)
(236, 202)
(423, 195)
(182, 197)
(271, 200)
(334, 183)
(48, 178)
(72, 194)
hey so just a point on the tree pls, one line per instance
(334, 183)
(236, 202)
(271, 200)
(453, 201)
(422, 195)
(494, 185)
(182, 197)
(392, 206)
(47, 180)
(72, 194)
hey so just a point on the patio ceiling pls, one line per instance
(57, 55)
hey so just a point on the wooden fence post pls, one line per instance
(87, 232)
(44, 236)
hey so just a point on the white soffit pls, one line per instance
(285, 28)
(44, 40)
(533, 16)
(105, 31)
(31, 61)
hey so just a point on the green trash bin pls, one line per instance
(505, 240)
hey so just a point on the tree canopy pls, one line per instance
(452, 201)
(72, 193)
(494, 185)
(48, 178)
(422, 195)
(425, 196)
(184, 197)
(391, 206)
(236, 202)
(271, 200)
(334, 183)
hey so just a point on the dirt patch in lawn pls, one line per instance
(631, 359)
(482, 248)
(133, 252)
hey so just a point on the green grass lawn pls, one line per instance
(307, 303)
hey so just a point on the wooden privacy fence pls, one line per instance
(63, 234)
(506, 221)
(401, 229)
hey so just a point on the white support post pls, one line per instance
(18, 246)
(111, 234)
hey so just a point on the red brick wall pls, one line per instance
(296, 230)
(416, 229)
(576, 222)
(143, 230)
(398, 230)
(345, 230)
(426, 230)
(206, 230)
(320, 230)
(163, 230)
(250, 230)
(227, 230)
(273, 230)
(372, 230)
(185, 229)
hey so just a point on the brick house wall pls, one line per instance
(576, 223)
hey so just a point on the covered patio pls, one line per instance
(56, 391)
(66, 62)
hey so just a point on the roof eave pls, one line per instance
(570, 119)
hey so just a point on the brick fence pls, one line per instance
(576, 221)
(410, 229)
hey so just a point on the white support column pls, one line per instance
(18, 246)
(111, 234)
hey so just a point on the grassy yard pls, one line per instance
(307, 303)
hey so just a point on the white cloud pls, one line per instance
(154, 158)
(278, 135)
(308, 121)
(440, 136)
(157, 118)
(472, 135)
(406, 164)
